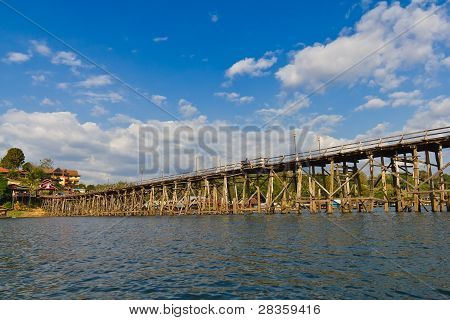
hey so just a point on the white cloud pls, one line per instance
(433, 115)
(98, 110)
(41, 48)
(379, 131)
(251, 66)
(396, 99)
(121, 118)
(158, 99)
(67, 58)
(235, 97)
(214, 17)
(312, 66)
(160, 39)
(47, 102)
(288, 108)
(37, 78)
(372, 103)
(94, 97)
(446, 61)
(17, 57)
(187, 109)
(62, 85)
(324, 123)
(402, 98)
(95, 81)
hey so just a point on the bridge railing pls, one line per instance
(363, 145)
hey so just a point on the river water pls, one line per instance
(352, 256)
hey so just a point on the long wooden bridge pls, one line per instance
(402, 173)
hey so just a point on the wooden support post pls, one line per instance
(208, 195)
(331, 189)
(384, 186)
(434, 206)
(244, 204)
(440, 165)
(225, 194)
(216, 206)
(236, 197)
(312, 190)
(371, 184)
(358, 187)
(397, 187)
(346, 204)
(269, 195)
(416, 196)
(298, 194)
(258, 192)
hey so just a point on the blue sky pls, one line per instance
(218, 62)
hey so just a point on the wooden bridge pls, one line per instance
(403, 173)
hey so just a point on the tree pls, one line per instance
(46, 163)
(34, 178)
(13, 159)
(3, 188)
(28, 167)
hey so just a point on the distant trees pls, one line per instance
(13, 159)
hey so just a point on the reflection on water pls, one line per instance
(354, 256)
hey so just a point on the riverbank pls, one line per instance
(26, 213)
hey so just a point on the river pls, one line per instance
(350, 256)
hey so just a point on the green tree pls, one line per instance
(13, 159)
(28, 167)
(3, 189)
(34, 178)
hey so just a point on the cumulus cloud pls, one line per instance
(98, 110)
(251, 66)
(235, 97)
(95, 81)
(187, 109)
(314, 65)
(435, 114)
(160, 39)
(17, 57)
(62, 85)
(38, 78)
(403, 98)
(95, 97)
(158, 99)
(47, 102)
(98, 154)
(121, 118)
(41, 48)
(396, 99)
(372, 103)
(446, 62)
(67, 58)
(379, 131)
(288, 108)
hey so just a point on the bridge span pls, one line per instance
(402, 173)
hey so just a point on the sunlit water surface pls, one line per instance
(354, 256)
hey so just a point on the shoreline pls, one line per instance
(27, 213)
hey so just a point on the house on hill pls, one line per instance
(65, 177)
